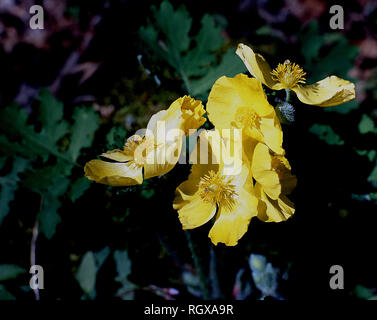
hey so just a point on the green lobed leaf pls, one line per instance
(51, 115)
(85, 124)
(175, 24)
(207, 41)
(194, 60)
(17, 137)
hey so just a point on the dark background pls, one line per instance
(329, 227)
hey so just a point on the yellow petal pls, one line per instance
(192, 114)
(263, 172)
(114, 174)
(195, 212)
(270, 210)
(117, 155)
(257, 66)
(229, 94)
(328, 92)
(232, 224)
(162, 158)
(272, 133)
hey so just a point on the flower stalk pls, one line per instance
(198, 267)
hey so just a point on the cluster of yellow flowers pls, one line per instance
(259, 187)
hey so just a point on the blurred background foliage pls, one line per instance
(98, 71)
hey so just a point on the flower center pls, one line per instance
(245, 117)
(288, 74)
(217, 189)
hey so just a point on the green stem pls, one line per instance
(287, 95)
(198, 267)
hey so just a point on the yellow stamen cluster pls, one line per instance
(217, 189)
(288, 74)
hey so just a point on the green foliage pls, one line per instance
(116, 137)
(365, 293)
(366, 125)
(123, 267)
(10, 271)
(194, 60)
(85, 124)
(86, 274)
(326, 133)
(320, 64)
(9, 185)
(371, 154)
(373, 176)
(78, 188)
(52, 153)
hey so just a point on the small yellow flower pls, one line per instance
(241, 103)
(127, 171)
(330, 91)
(272, 174)
(156, 153)
(212, 189)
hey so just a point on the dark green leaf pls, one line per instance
(9, 185)
(87, 273)
(78, 188)
(86, 123)
(366, 125)
(327, 134)
(229, 66)
(10, 271)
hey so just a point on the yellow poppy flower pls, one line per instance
(211, 189)
(274, 181)
(330, 91)
(156, 153)
(241, 103)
